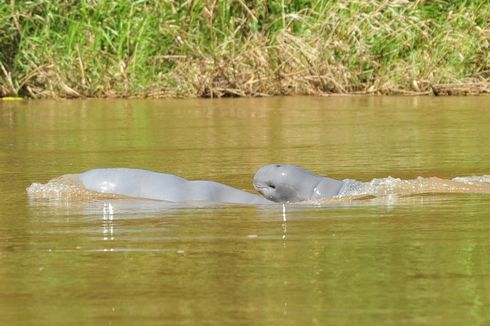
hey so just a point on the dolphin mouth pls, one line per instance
(259, 188)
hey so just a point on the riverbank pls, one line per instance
(243, 48)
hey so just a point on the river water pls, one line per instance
(419, 259)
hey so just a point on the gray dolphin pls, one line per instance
(288, 183)
(161, 186)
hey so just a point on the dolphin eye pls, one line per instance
(278, 165)
(272, 186)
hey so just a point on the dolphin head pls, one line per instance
(282, 183)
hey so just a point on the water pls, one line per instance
(421, 259)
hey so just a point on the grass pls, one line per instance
(214, 48)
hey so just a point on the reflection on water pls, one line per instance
(418, 259)
(108, 217)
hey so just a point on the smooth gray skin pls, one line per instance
(161, 186)
(285, 183)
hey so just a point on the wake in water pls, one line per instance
(398, 187)
(69, 188)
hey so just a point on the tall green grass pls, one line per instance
(120, 48)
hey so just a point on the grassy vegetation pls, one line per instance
(119, 48)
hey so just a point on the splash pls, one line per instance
(473, 179)
(66, 187)
(398, 187)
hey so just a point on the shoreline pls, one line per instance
(209, 49)
(439, 90)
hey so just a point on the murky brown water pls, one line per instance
(420, 260)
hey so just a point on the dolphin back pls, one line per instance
(136, 183)
(161, 186)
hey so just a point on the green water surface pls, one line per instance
(424, 260)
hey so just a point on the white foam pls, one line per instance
(67, 187)
(473, 179)
(395, 186)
